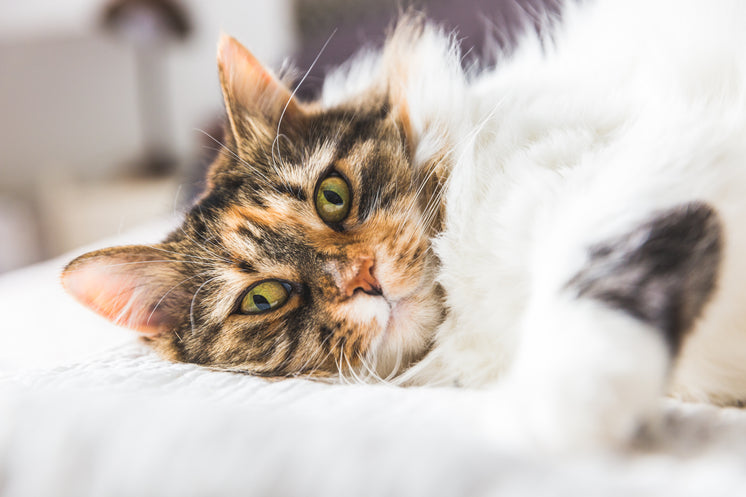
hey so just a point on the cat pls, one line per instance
(563, 227)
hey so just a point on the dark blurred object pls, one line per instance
(482, 25)
(147, 20)
(149, 25)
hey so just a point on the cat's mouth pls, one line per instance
(400, 317)
(396, 309)
(404, 332)
(380, 306)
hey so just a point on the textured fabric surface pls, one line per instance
(127, 423)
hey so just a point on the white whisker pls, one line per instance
(170, 290)
(194, 297)
(239, 159)
(275, 142)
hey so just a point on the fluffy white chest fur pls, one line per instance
(628, 125)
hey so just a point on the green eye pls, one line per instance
(265, 296)
(333, 199)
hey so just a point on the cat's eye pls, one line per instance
(333, 199)
(265, 296)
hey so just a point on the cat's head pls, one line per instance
(309, 253)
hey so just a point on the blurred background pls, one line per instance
(105, 106)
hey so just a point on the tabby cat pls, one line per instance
(565, 228)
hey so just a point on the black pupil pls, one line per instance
(333, 197)
(261, 303)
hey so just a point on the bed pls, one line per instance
(85, 409)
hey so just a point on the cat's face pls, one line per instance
(309, 253)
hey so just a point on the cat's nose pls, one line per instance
(362, 278)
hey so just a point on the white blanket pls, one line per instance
(126, 423)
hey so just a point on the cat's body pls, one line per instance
(626, 118)
(565, 228)
(631, 130)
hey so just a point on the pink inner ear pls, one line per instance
(250, 83)
(118, 296)
(240, 62)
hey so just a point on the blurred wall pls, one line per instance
(68, 92)
(69, 104)
(70, 127)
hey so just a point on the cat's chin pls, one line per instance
(364, 309)
(406, 334)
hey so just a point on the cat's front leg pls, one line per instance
(585, 378)
(598, 343)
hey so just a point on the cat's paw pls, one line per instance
(564, 414)
(557, 416)
(587, 388)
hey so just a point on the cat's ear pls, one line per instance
(254, 98)
(421, 67)
(134, 286)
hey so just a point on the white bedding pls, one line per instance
(123, 422)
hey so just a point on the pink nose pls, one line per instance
(362, 278)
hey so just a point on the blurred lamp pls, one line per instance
(149, 25)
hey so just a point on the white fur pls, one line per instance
(635, 106)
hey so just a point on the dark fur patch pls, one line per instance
(662, 273)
